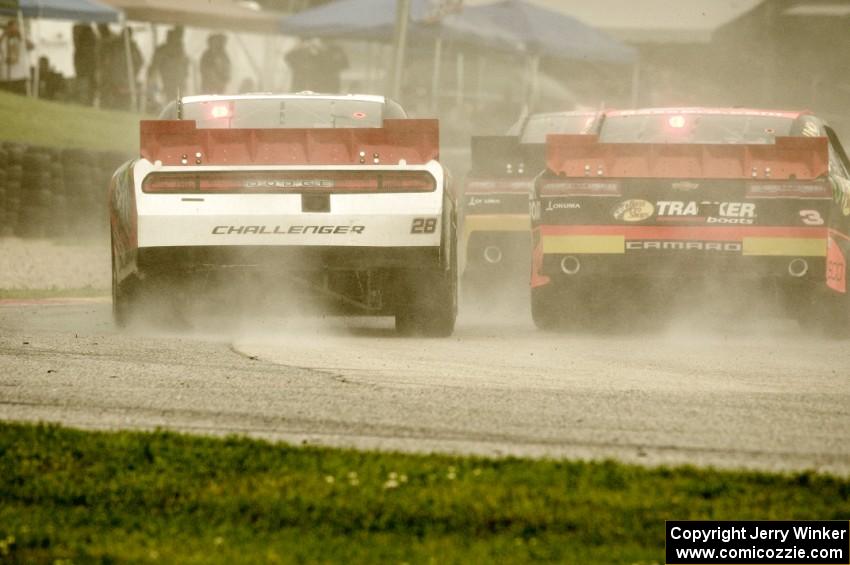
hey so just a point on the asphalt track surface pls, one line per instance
(759, 394)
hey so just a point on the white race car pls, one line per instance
(341, 194)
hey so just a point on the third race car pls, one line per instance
(494, 206)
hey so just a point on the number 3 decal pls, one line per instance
(811, 217)
(424, 225)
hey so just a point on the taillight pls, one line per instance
(289, 182)
(788, 190)
(556, 187)
(406, 182)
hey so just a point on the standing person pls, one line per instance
(215, 65)
(332, 61)
(170, 64)
(119, 96)
(103, 76)
(14, 59)
(302, 60)
(85, 63)
(316, 66)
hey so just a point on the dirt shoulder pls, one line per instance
(43, 265)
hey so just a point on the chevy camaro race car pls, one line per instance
(665, 198)
(495, 223)
(340, 195)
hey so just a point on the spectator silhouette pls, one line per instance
(316, 66)
(170, 64)
(115, 93)
(14, 59)
(215, 65)
(51, 84)
(85, 63)
(104, 79)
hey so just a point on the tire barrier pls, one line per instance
(55, 193)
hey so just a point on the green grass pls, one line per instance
(40, 293)
(135, 497)
(52, 124)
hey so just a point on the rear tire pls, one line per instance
(429, 304)
(122, 301)
(835, 315)
(426, 303)
(545, 308)
(150, 300)
(122, 304)
(563, 307)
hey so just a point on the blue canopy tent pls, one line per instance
(514, 25)
(77, 10)
(354, 19)
(374, 20)
(542, 32)
(509, 25)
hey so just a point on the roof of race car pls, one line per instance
(567, 113)
(789, 114)
(283, 96)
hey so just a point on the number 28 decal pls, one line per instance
(811, 217)
(423, 225)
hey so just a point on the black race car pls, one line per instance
(494, 207)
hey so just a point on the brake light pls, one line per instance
(676, 122)
(221, 111)
(579, 188)
(276, 182)
(788, 190)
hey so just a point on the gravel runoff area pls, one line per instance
(47, 265)
(767, 397)
(750, 391)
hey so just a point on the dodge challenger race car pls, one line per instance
(662, 199)
(495, 223)
(340, 195)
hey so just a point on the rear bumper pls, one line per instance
(645, 240)
(683, 266)
(750, 252)
(502, 250)
(284, 259)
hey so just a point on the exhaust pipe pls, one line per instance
(798, 268)
(492, 254)
(570, 265)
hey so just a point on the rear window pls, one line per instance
(539, 126)
(694, 128)
(259, 113)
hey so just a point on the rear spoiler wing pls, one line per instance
(490, 156)
(180, 142)
(802, 158)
